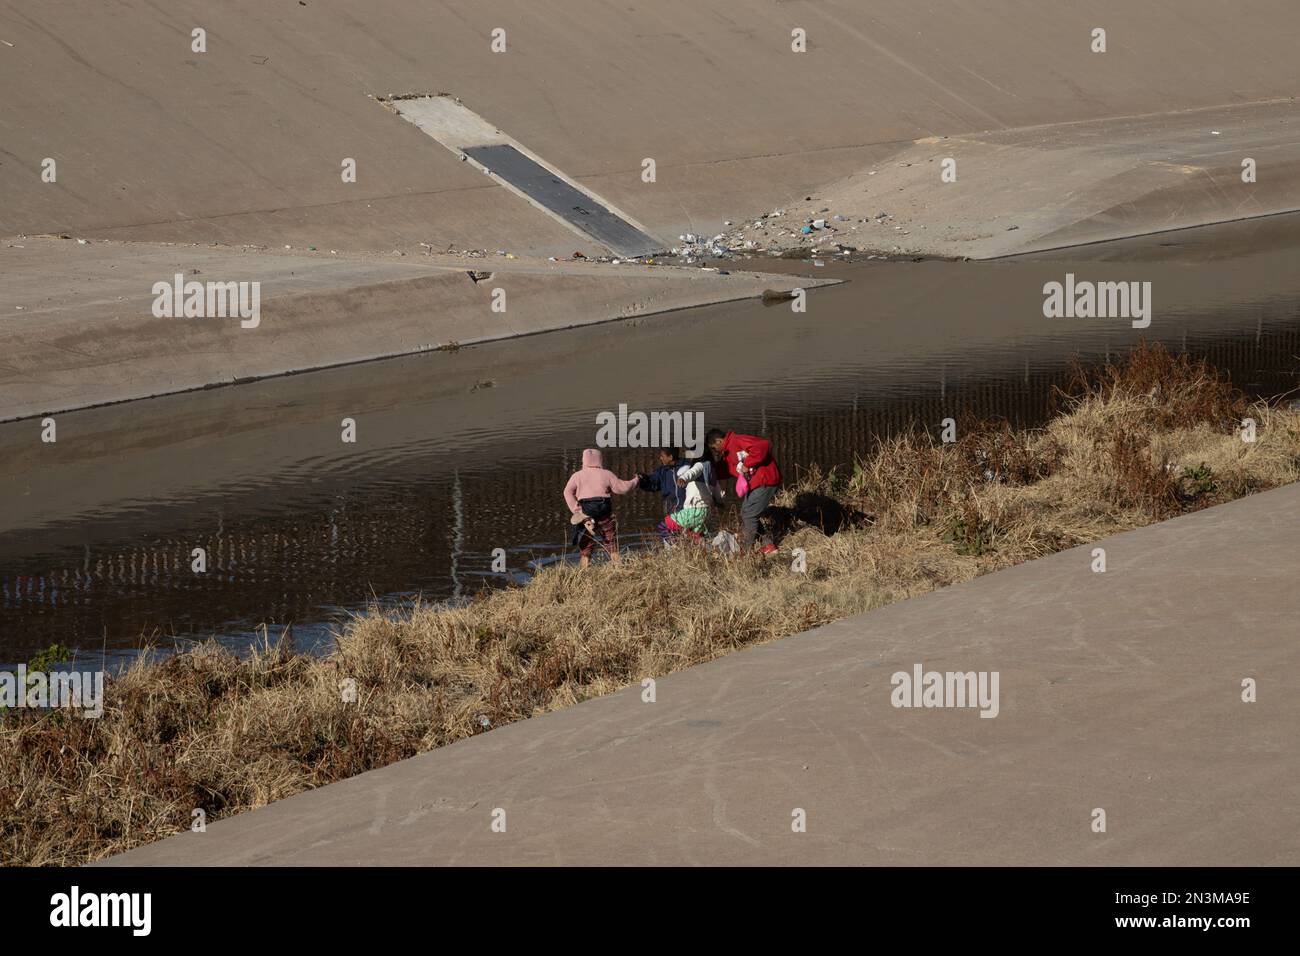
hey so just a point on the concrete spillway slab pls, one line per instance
(448, 121)
(572, 205)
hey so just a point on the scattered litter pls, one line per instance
(6, 42)
(1214, 132)
(478, 276)
(485, 383)
(83, 242)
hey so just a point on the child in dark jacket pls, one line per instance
(664, 479)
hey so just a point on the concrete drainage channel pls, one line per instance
(448, 121)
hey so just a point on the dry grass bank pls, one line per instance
(1131, 444)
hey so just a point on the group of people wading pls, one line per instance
(691, 489)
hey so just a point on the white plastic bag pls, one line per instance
(725, 542)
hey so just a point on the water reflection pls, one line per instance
(97, 534)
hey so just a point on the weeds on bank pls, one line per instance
(1129, 444)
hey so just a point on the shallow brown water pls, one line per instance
(300, 528)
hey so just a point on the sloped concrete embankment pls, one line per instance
(79, 328)
(243, 142)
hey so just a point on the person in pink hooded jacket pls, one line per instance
(588, 496)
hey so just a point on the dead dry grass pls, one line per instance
(1130, 445)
